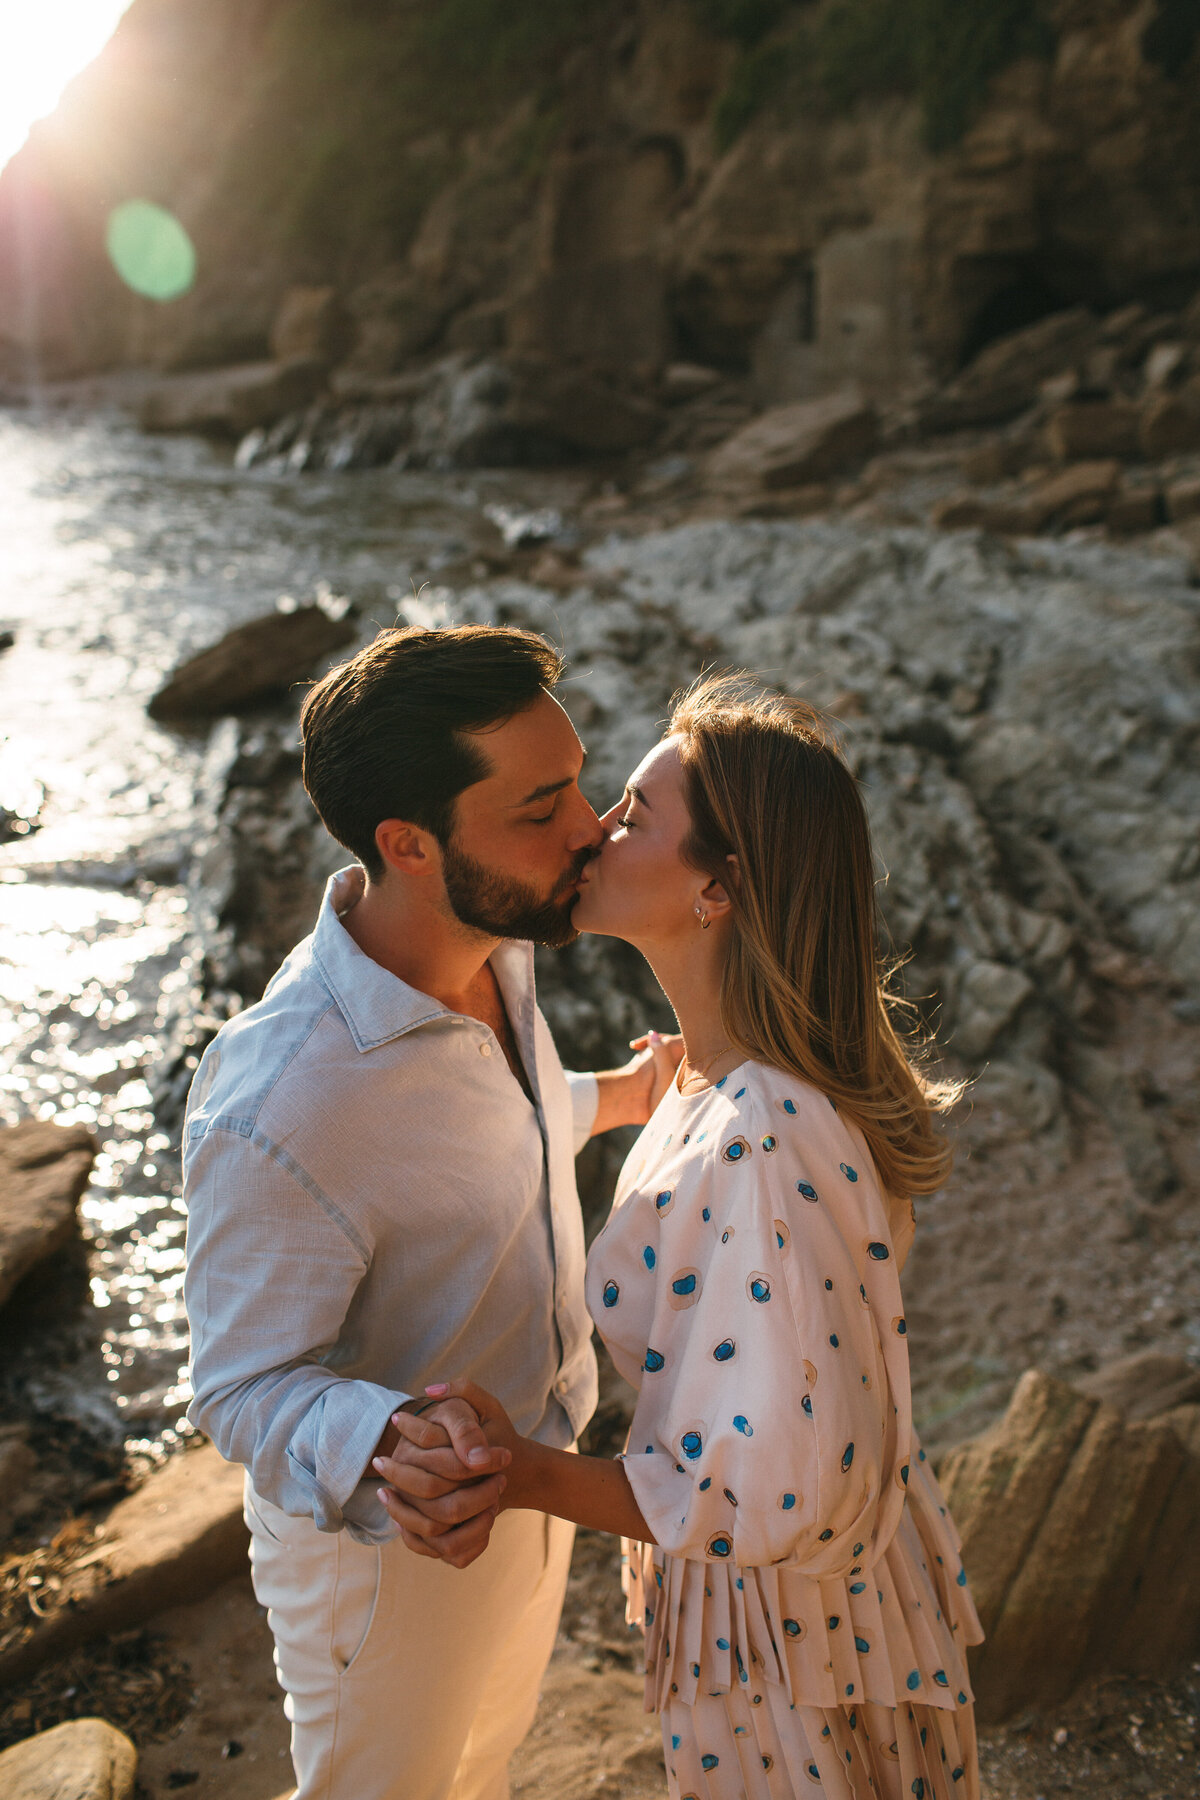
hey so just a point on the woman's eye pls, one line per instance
(626, 823)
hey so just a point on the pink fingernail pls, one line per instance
(377, 1463)
(381, 1494)
(438, 1387)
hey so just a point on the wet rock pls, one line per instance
(229, 402)
(85, 1759)
(251, 663)
(1093, 428)
(1073, 1518)
(43, 1170)
(178, 1537)
(311, 326)
(794, 446)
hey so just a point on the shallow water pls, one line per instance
(119, 555)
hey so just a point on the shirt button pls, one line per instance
(560, 1387)
(485, 1049)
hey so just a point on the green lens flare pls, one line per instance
(150, 250)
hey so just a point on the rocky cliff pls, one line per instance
(811, 193)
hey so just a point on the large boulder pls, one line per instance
(43, 1170)
(251, 663)
(794, 446)
(230, 402)
(86, 1759)
(1081, 1538)
(178, 1537)
(1005, 377)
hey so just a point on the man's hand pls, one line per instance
(447, 1477)
(629, 1095)
(436, 1515)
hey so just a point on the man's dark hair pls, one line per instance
(383, 736)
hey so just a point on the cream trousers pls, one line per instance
(406, 1679)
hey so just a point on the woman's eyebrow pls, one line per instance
(636, 793)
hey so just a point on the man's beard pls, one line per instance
(503, 908)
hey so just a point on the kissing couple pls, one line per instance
(390, 1305)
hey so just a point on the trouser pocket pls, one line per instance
(354, 1600)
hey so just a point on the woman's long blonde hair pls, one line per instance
(804, 987)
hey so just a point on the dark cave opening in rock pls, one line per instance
(1024, 298)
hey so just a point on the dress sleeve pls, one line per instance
(773, 1416)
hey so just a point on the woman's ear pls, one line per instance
(715, 901)
(735, 871)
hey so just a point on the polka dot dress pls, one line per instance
(805, 1610)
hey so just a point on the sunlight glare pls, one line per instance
(43, 44)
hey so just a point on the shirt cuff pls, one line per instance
(585, 1102)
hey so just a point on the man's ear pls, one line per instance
(407, 848)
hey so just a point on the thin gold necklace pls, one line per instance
(689, 1068)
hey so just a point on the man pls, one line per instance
(380, 1183)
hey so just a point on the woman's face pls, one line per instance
(638, 887)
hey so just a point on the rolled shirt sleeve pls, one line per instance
(765, 1430)
(585, 1101)
(273, 1269)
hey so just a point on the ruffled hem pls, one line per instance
(894, 1633)
(779, 1752)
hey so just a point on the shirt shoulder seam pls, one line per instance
(275, 1153)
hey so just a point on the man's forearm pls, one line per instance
(621, 1099)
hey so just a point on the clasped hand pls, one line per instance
(452, 1472)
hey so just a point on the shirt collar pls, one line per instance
(376, 1005)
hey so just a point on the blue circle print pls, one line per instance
(719, 1547)
(706, 1484)
(848, 1172)
(611, 1294)
(914, 1681)
(806, 1406)
(792, 1627)
(654, 1361)
(663, 1200)
(788, 1502)
(847, 1457)
(760, 1288)
(789, 1106)
(741, 1423)
(732, 1499)
(648, 1257)
(939, 1675)
(691, 1443)
(770, 1143)
(709, 1762)
(807, 1189)
(878, 1252)
(724, 1350)
(961, 1578)
(686, 1284)
(861, 1645)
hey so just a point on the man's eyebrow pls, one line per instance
(636, 793)
(549, 787)
(544, 792)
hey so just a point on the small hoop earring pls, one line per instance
(705, 921)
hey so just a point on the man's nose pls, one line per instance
(588, 828)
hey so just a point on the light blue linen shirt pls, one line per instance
(374, 1204)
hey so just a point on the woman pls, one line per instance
(790, 1557)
